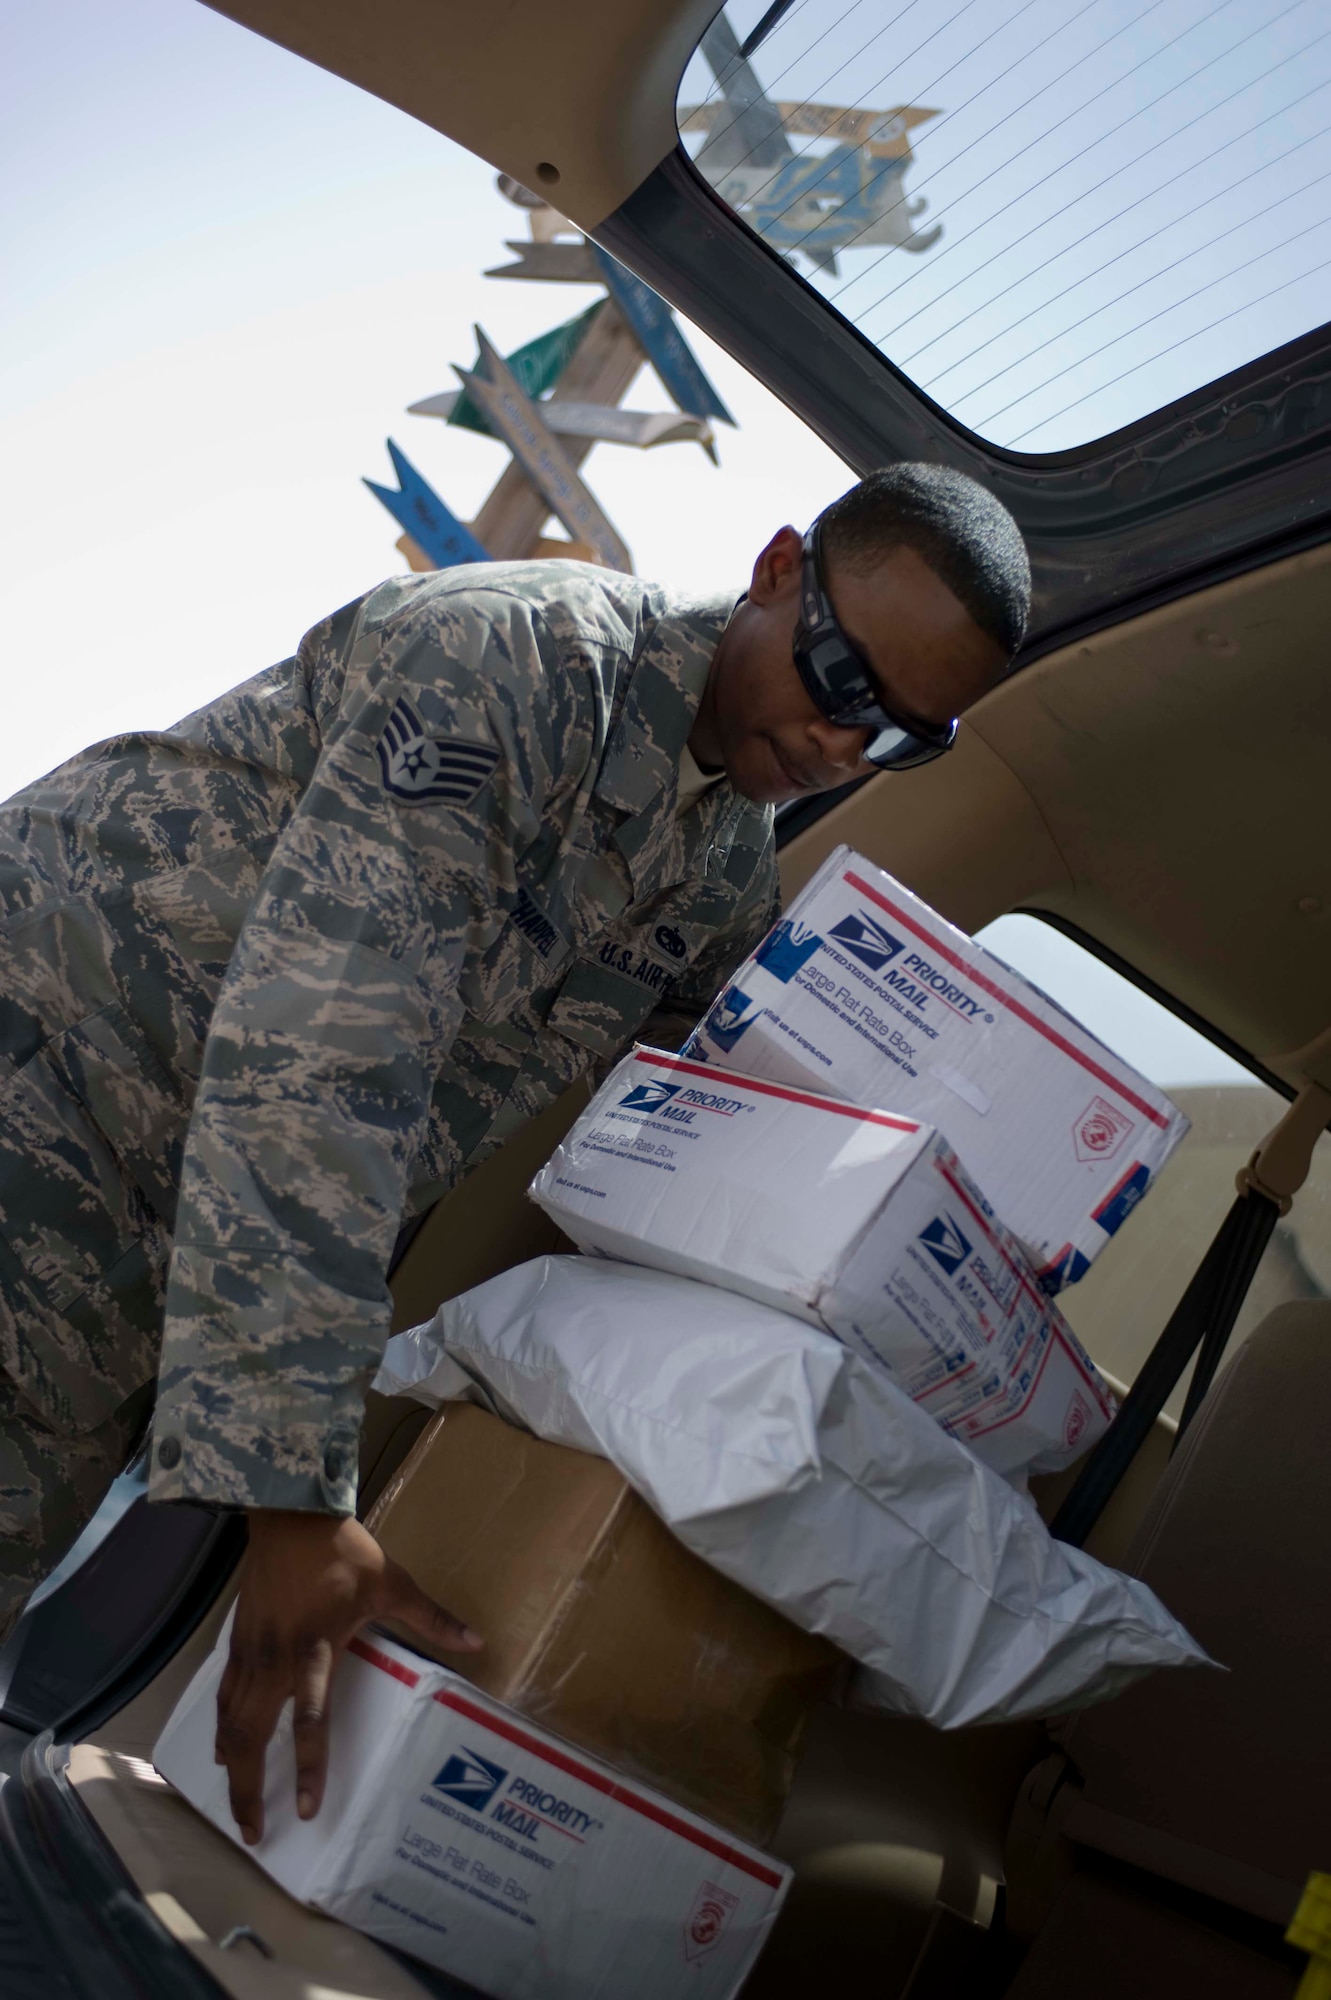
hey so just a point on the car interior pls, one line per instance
(1151, 785)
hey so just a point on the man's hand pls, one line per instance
(309, 1582)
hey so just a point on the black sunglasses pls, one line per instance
(841, 685)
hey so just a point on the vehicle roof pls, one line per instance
(591, 88)
(1154, 774)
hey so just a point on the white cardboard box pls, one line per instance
(456, 1831)
(863, 991)
(855, 1220)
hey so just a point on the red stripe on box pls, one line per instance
(499, 1725)
(987, 1430)
(1106, 1409)
(711, 1075)
(995, 1241)
(1013, 1006)
(1046, 1306)
(947, 1382)
(598, 1782)
(1116, 1190)
(374, 1658)
(1055, 1262)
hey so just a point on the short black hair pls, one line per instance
(967, 537)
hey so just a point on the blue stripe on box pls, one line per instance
(1119, 1203)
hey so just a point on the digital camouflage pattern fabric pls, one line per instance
(273, 979)
(51, 1483)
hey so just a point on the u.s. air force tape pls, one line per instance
(418, 766)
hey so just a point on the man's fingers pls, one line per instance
(408, 1604)
(227, 1691)
(314, 1677)
(243, 1736)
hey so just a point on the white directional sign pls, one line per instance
(523, 426)
(607, 424)
(556, 263)
(435, 406)
(642, 428)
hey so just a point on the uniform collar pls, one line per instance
(641, 763)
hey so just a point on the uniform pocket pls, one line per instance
(601, 1005)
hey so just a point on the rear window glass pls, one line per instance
(1054, 218)
(1120, 1307)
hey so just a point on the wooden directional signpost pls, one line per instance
(518, 421)
(550, 402)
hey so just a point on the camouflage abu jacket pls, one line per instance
(273, 979)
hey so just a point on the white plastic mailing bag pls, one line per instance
(804, 1475)
(457, 1831)
(857, 1220)
(863, 991)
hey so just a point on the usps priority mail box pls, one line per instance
(863, 991)
(856, 1220)
(458, 1832)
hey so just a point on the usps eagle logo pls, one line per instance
(419, 767)
(650, 1096)
(945, 1243)
(867, 939)
(471, 1780)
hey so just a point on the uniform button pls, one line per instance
(168, 1454)
(335, 1463)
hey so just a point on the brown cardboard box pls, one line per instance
(598, 1624)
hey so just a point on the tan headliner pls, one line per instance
(1164, 786)
(589, 89)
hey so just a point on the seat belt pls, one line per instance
(1204, 1317)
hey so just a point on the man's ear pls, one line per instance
(776, 573)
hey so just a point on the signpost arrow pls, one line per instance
(436, 406)
(608, 425)
(515, 419)
(671, 356)
(536, 366)
(642, 428)
(431, 525)
(557, 263)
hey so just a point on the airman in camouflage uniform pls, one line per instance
(273, 979)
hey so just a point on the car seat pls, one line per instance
(1162, 1847)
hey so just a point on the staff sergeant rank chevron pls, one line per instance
(418, 767)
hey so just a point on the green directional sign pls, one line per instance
(517, 420)
(535, 367)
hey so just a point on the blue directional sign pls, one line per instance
(418, 508)
(658, 331)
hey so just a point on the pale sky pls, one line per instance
(226, 274)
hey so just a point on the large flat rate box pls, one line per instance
(457, 1832)
(856, 1220)
(862, 991)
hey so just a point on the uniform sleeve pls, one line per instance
(340, 1003)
